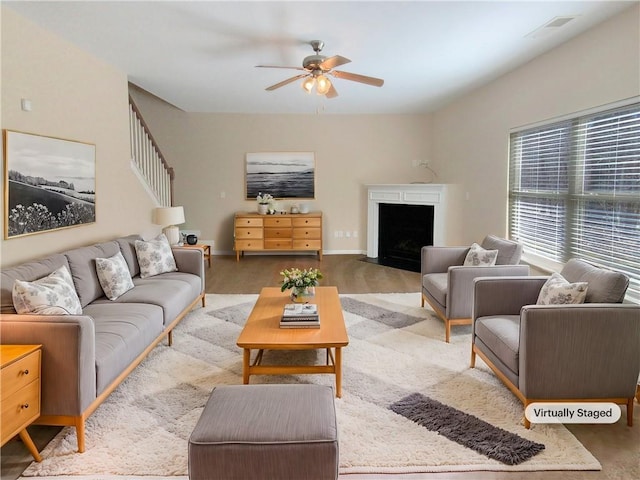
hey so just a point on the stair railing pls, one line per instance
(147, 157)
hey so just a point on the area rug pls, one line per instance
(395, 349)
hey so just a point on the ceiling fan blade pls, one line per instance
(274, 66)
(376, 82)
(332, 93)
(285, 82)
(333, 62)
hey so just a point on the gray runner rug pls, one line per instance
(466, 429)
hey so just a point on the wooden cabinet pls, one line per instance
(255, 232)
(20, 394)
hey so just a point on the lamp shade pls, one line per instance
(166, 216)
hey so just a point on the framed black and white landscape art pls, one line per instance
(283, 175)
(50, 183)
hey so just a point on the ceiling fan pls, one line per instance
(317, 67)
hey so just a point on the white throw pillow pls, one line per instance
(479, 257)
(114, 275)
(54, 294)
(155, 256)
(558, 291)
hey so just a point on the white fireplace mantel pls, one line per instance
(407, 194)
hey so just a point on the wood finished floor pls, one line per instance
(617, 446)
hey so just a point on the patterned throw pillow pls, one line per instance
(114, 275)
(54, 294)
(479, 257)
(155, 256)
(558, 291)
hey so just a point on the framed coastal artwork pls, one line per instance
(50, 183)
(281, 174)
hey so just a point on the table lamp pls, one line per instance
(169, 217)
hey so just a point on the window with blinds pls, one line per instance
(574, 190)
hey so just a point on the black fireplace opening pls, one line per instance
(402, 232)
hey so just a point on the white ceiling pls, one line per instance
(201, 56)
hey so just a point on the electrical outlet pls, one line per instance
(355, 234)
(223, 194)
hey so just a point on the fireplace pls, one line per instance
(402, 210)
(403, 231)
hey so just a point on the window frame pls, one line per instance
(574, 219)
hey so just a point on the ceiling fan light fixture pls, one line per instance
(323, 86)
(308, 83)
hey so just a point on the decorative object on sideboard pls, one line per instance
(264, 202)
(44, 195)
(169, 217)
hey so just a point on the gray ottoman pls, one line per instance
(275, 432)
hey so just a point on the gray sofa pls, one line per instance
(85, 357)
(576, 352)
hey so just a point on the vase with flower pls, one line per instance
(301, 282)
(264, 200)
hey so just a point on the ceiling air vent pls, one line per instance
(550, 27)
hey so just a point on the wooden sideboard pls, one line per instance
(254, 232)
(20, 397)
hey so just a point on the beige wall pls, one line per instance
(471, 134)
(208, 154)
(77, 97)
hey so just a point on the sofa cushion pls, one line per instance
(155, 256)
(501, 334)
(128, 250)
(605, 286)
(82, 264)
(114, 276)
(480, 257)
(172, 295)
(50, 295)
(123, 332)
(436, 285)
(509, 252)
(29, 272)
(557, 291)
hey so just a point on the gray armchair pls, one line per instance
(447, 285)
(582, 352)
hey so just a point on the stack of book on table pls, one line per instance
(300, 315)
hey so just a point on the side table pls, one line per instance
(205, 248)
(20, 394)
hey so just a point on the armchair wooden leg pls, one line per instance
(630, 412)
(422, 300)
(447, 330)
(473, 357)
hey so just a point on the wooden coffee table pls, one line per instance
(262, 332)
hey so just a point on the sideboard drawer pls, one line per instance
(314, 233)
(277, 233)
(276, 244)
(307, 222)
(20, 409)
(275, 221)
(307, 244)
(248, 222)
(246, 233)
(20, 373)
(255, 244)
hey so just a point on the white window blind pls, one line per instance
(574, 190)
